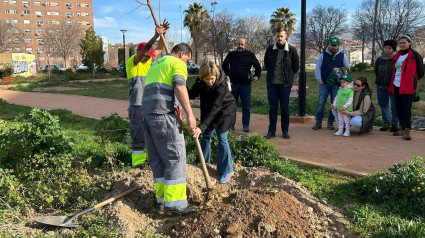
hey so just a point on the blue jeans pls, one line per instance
(244, 92)
(324, 91)
(276, 93)
(383, 96)
(224, 158)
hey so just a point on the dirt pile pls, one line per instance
(255, 203)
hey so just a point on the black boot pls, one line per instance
(385, 127)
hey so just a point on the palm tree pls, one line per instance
(195, 17)
(283, 17)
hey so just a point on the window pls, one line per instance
(6, 11)
(86, 14)
(86, 5)
(39, 22)
(88, 23)
(78, 4)
(13, 2)
(27, 31)
(47, 3)
(69, 22)
(49, 22)
(79, 14)
(15, 21)
(26, 12)
(56, 4)
(28, 40)
(39, 50)
(39, 32)
(6, 2)
(69, 14)
(57, 22)
(38, 13)
(15, 12)
(57, 13)
(80, 23)
(68, 4)
(40, 41)
(49, 13)
(25, 3)
(37, 3)
(27, 22)
(28, 50)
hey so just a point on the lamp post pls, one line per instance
(181, 25)
(123, 42)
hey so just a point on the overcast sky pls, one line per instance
(110, 16)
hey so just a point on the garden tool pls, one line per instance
(204, 167)
(70, 222)
(179, 118)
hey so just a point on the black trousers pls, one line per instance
(404, 108)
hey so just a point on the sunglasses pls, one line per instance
(357, 85)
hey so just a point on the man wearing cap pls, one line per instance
(329, 63)
(137, 67)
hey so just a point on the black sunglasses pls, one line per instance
(357, 85)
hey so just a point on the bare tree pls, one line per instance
(256, 31)
(8, 35)
(323, 23)
(221, 33)
(362, 30)
(394, 17)
(63, 39)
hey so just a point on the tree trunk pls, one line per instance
(363, 40)
(372, 63)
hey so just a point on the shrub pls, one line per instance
(254, 150)
(6, 71)
(402, 189)
(36, 133)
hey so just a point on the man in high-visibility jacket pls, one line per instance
(165, 81)
(137, 67)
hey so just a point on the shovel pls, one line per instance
(65, 221)
(204, 167)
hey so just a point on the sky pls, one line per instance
(111, 16)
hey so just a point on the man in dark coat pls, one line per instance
(237, 65)
(282, 63)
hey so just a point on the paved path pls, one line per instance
(357, 154)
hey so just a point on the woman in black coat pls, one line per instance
(218, 112)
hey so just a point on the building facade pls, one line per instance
(32, 19)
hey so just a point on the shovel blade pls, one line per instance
(62, 221)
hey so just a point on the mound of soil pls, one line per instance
(255, 203)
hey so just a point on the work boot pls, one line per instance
(246, 128)
(394, 127)
(406, 134)
(317, 126)
(330, 126)
(385, 127)
(398, 132)
(182, 212)
(285, 135)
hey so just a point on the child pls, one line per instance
(218, 112)
(344, 100)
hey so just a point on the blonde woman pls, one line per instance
(218, 112)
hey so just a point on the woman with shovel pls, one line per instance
(218, 112)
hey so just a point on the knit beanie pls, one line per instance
(391, 43)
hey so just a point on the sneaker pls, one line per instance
(270, 135)
(182, 212)
(330, 126)
(246, 128)
(339, 133)
(226, 177)
(346, 133)
(317, 126)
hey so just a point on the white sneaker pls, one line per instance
(346, 133)
(339, 133)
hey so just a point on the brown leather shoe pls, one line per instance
(317, 126)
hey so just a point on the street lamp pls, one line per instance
(181, 25)
(123, 41)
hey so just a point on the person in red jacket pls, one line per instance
(408, 69)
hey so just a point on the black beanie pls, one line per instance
(391, 43)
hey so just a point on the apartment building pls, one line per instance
(33, 18)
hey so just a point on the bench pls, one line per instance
(9, 79)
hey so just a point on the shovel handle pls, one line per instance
(157, 24)
(106, 202)
(204, 167)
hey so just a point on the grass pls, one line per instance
(118, 89)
